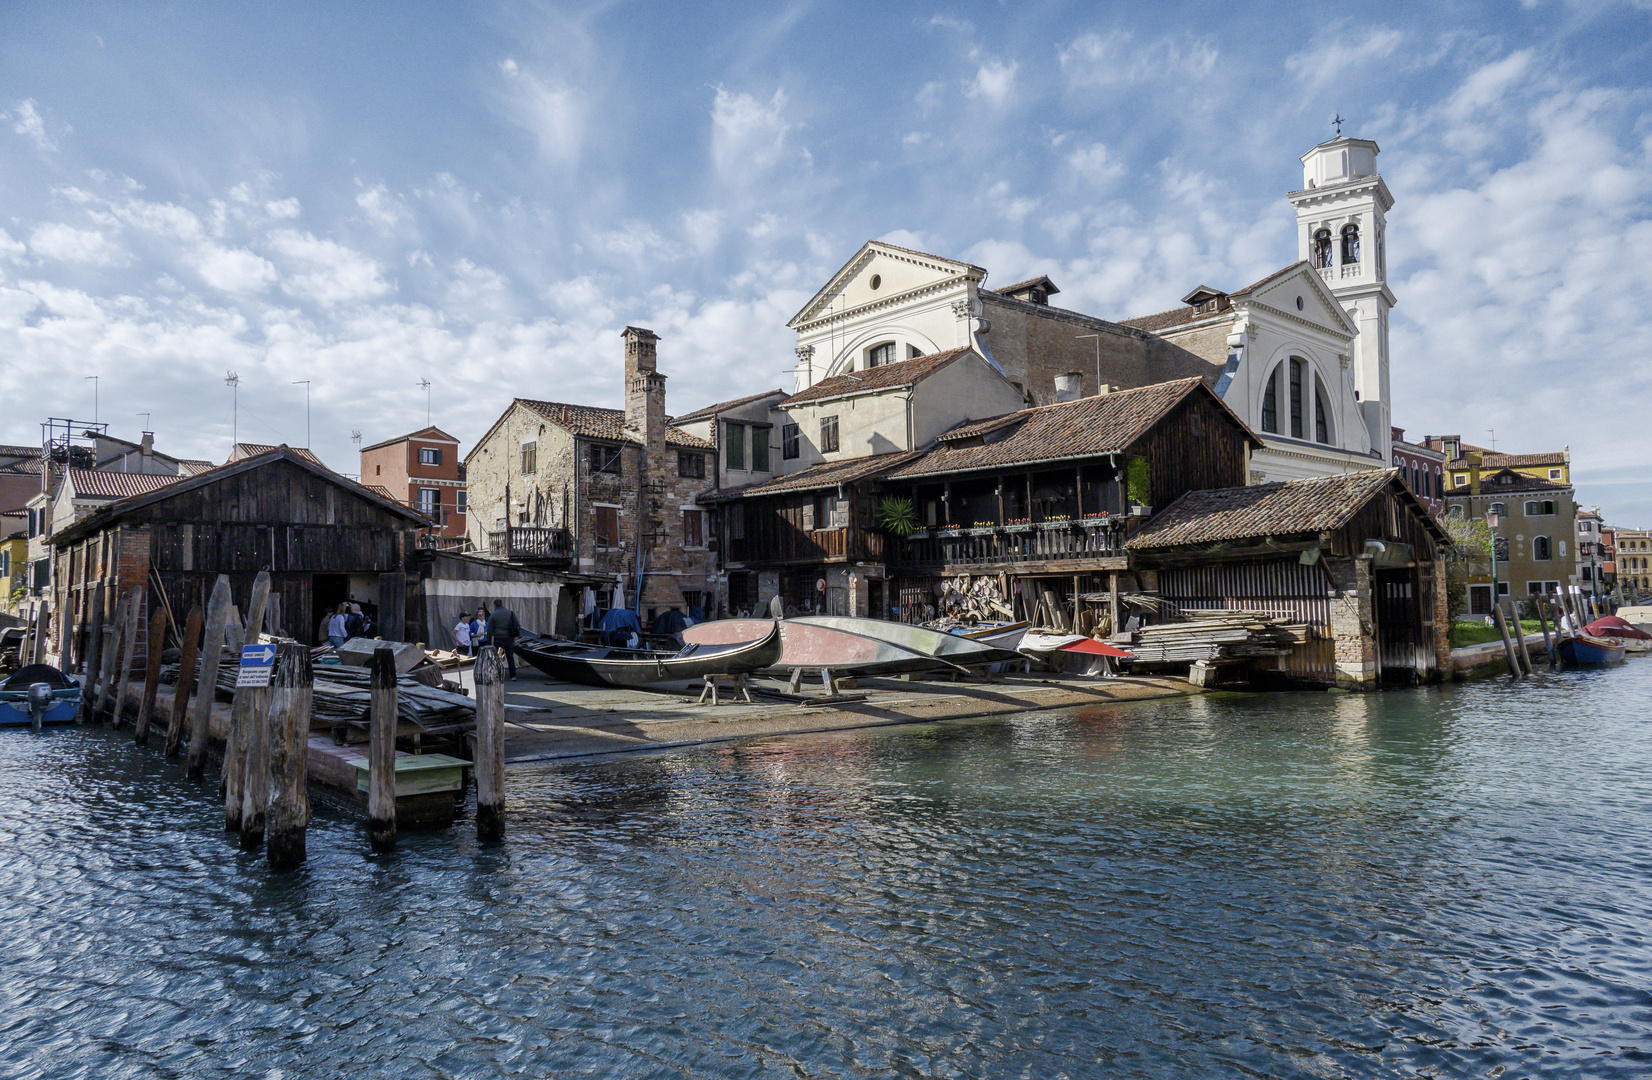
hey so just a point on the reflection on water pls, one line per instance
(1434, 883)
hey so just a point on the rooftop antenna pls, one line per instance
(233, 381)
(424, 384)
(1338, 121)
(1493, 433)
(306, 383)
(94, 379)
(355, 437)
(1081, 337)
(146, 417)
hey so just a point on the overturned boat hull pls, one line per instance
(811, 647)
(600, 666)
(952, 648)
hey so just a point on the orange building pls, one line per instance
(421, 470)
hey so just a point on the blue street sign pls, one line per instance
(257, 664)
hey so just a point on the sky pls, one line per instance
(481, 195)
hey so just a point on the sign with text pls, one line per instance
(257, 663)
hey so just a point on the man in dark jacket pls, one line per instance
(503, 630)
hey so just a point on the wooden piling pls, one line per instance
(94, 656)
(289, 736)
(241, 715)
(490, 746)
(381, 758)
(190, 651)
(128, 649)
(1520, 637)
(212, 648)
(1540, 601)
(1508, 645)
(151, 676)
(255, 755)
(110, 654)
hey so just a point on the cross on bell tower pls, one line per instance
(1341, 227)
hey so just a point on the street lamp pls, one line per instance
(1493, 520)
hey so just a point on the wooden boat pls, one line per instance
(16, 709)
(810, 647)
(603, 666)
(1587, 650)
(954, 649)
(1634, 639)
(999, 635)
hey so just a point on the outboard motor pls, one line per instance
(40, 699)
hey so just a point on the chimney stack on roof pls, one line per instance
(1069, 386)
(644, 390)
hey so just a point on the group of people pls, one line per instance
(349, 621)
(472, 632)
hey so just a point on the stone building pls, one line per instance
(607, 492)
(1634, 563)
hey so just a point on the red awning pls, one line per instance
(1100, 648)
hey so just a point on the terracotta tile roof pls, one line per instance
(901, 374)
(1106, 423)
(1489, 460)
(829, 474)
(19, 451)
(248, 449)
(93, 484)
(1493, 484)
(1041, 279)
(1279, 509)
(723, 406)
(381, 491)
(591, 422)
(429, 432)
(974, 429)
(1164, 320)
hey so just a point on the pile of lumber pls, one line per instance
(1217, 637)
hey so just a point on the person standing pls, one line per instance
(461, 635)
(336, 631)
(478, 629)
(503, 630)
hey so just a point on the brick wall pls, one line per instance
(1353, 626)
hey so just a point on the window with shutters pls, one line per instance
(694, 528)
(1542, 548)
(530, 457)
(828, 434)
(789, 448)
(760, 447)
(734, 446)
(607, 526)
(429, 455)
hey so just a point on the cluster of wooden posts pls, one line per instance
(265, 777)
(1571, 603)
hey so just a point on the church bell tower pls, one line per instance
(1342, 228)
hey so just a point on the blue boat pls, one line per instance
(56, 704)
(1586, 650)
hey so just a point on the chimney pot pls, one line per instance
(1069, 386)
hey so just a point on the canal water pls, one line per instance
(1447, 883)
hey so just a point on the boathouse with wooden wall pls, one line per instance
(324, 538)
(1357, 558)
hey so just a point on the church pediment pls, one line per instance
(1283, 290)
(881, 272)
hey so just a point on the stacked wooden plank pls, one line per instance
(1217, 637)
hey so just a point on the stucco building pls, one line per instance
(1534, 535)
(421, 470)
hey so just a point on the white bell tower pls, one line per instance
(1341, 229)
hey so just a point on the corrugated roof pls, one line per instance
(894, 376)
(95, 484)
(1279, 509)
(1103, 424)
(723, 406)
(591, 422)
(829, 474)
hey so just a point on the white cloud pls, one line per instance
(11, 248)
(554, 113)
(27, 121)
(232, 270)
(66, 243)
(325, 271)
(703, 227)
(1333, 59)
(1094, 164)
(381, 208)
(994, 82)
(747, 134)
(1117, 58)
(282, 209)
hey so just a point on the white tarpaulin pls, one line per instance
(533, 601)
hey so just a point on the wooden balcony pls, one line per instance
(530, 544)
(788, 545)
(1093, 543)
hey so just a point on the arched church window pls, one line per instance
(879, 355)
(913, 352)
(1270, 403)
(1297, 400)
(1350, 243)
(1323, 252)
(1322, 415)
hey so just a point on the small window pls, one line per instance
(1350, 244)
(429, 455)
(877, 281)
(378, 470)
(1270, 404)
(1542, 549)
(1533, 509)
(606, 459)
(760, 447)
(788, 442)
(694, 528)
(691, 465)
(1456, 512)
(1322, 417)
(429, 500)
(1459, 478)
(879, 355)
(1554, 474)
(1497, 508)
(530, 456)
(1324, 253)
(828, 434)
(734, 446)
(913, 352)
(1297, 401)
(607, 526)
(460, 501)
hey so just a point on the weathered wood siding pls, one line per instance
(1195, 447)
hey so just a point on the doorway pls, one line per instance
(327, 591)
(1399, 626)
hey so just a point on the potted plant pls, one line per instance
(897, 515)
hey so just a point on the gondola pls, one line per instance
(953, 648)
(602, 666)
(810, 647)
(56, 704)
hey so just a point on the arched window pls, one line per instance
(1323, 255)
(913, 352)
(879, 355)
(1533, 509)
(1350, 243)
(1297, 400)
(1541, 548)
(1322, 418)
(1498, 509)
(1270, 403)
(1456, 512)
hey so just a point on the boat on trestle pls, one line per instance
(60, 707)
(811, 647)
(591, 665)
(953, 648)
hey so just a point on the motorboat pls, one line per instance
(953, 648)
(806, 646)
(1634, 639)
(597, 665)
(36, 695)
(1588, 650)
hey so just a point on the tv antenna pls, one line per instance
(355, 437)
(1493, 433)
(233, 381)
(424, 384)
(306, 383)
(94, 380)
(146, 417)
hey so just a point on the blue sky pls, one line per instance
(484, 194)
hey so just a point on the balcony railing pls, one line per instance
(525, 543)
(444, 543)
(809, 545)
(1005, 544)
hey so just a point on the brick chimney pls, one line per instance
(644, 390)
(1474, 460)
